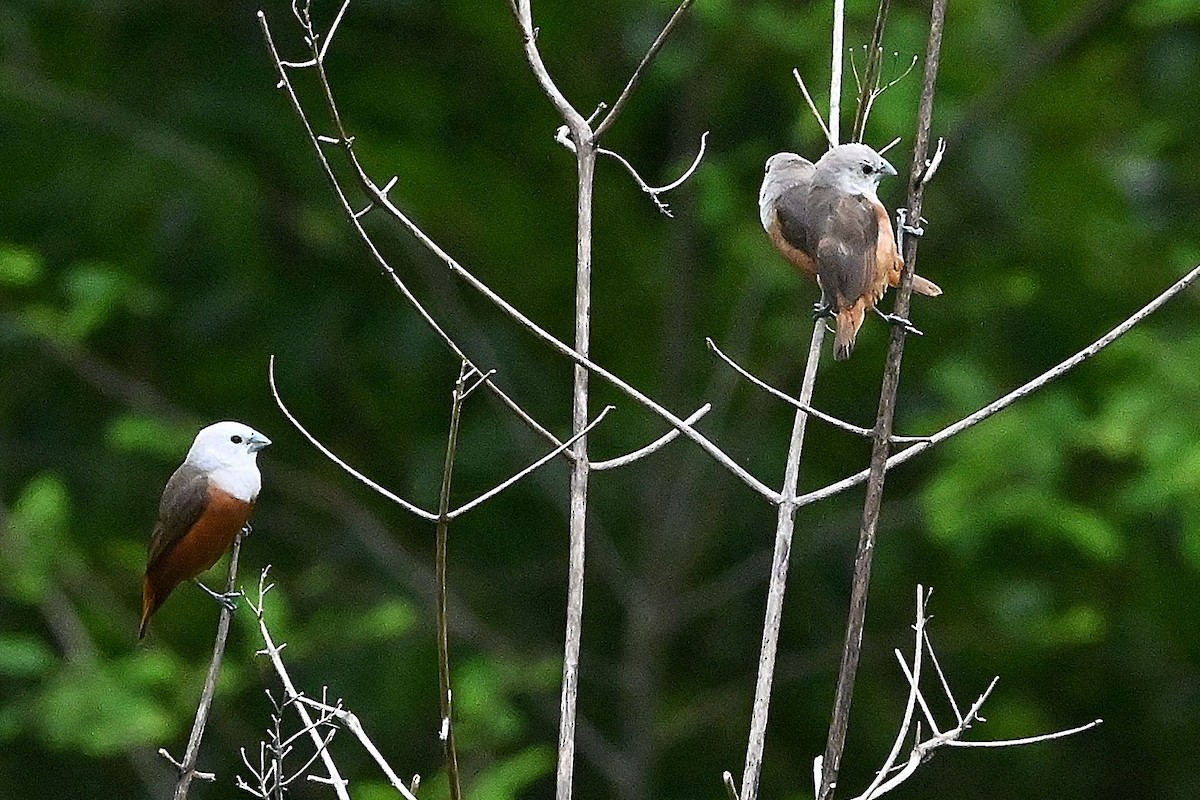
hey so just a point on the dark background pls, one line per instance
(164, 228)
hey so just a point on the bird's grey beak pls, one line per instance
(888, 169)
(258, 442)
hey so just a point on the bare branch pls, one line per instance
(922, 751)
(944, 681)
(636, 78)
(913, 693)
(807, 409)
(785, 523)
(354, 725)
(935, 162)
(1045, 737)
(563, 138)
(835, 78)
(578, 125)
(883, 150)
(349, 470)
(384, 202)
(332, 31)
(355, 220)
(272, 651)
(813, 108)
(730, 787)
(1022, 391)
(653, 447)
(488, 495)
(191, 756)
(870, 80)
(860, 585)
(442, 558)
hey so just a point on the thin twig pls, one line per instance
(579, 126)
(807, 409)
(944, 681)
(913, 693)
(354, 725)
(636, 78)
(445, 698)
(554, 343)
(1020, 392)
(835, 78)
(349, 470)
(860, 586)
(272, 651)
(489, 494)
(813, 108)
(1045, 737)
(871, 71)
(923, 750)
(187, 767)
(356, 221)
(653, 447)
(563, 137)
(785, 521)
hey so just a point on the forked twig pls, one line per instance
(302, 705)
(636, 78)
(889, 776)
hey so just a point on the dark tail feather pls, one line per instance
(848, 323)
(149, 606)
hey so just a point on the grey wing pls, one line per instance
(843, 232)
(182, 503)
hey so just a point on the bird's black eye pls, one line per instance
(867, 169)
(235, 439)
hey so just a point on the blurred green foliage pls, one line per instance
(164, 228)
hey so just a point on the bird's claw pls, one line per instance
(901, 321)
(228, 600)
(913, 230)
(822, 311)
(247, 530)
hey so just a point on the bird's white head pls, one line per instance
(853, 168)
(227, 452)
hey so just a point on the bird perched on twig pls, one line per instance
(827, 221)
(204, 506)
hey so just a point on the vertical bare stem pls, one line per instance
(445, 698)
(784, 528)
(785, 523)
(852, 646)
(586, 154)
(187, 767)
(835, 80)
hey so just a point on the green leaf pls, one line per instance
(507, 779)
(38, 524)
(137, 434)
(19, 266)
(387, 620)
(23, 655)
(91, 710)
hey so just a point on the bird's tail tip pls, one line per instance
(926, 287)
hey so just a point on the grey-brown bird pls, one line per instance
(827, 221)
